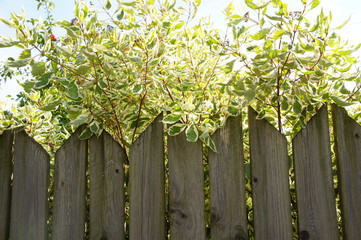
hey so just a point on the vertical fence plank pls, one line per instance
(29, 207)
(186, 189)
(227, 185)
(6, 166)
(70, 189)
(348, 156)
(314, 185)
(146, 179)
(107, 198)
(270, 180)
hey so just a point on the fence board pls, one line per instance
(6, 167)
(314, 186)
(227, 185)
(270, 181)
(147, 190)
(186, 189)
(29, 207)
(348, 156)
(107, 198)
(70, 189)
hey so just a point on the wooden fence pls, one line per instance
(25, 178)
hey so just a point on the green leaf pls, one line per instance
(136, 59)
(86, 134)
(80, 120)
(38, 69)
(250, 4)
(64, 50)
(70, 32)
(25, 54)
(315, 3)
(176, 129)
(172, 118)
(297, 107)
(344, 23)
(154, 62)
(80, 59)
(192, 133)
(304, 1)
(274, 53)
(208, 141)
(250, 94)
(279, 33)
(340, 102)
(233, 111)
(229, 66)
(73, 90)
(260, 34)
(284, 105)
(83, 69)
(307, 47)
(43, 81)
(137, 89)
(19, 63)
(120, 16)
(346, 69)
(108, 5)
(95, 127)
(4, 44)
(50, 106)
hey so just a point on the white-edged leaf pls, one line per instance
(192, 133)
(341, 102)
(208, 141)
(19, 63)
(50, 106)
(43, 81)
(176, 129)
(172, 118)
(86, 134)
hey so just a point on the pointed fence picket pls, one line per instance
(29, 204)
(270, 183)
(348, 158)
(147, 184)
(70, 189)
(99, 164)
(316, 204)
(107, 196)
(227, 183)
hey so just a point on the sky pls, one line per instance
(341, 10)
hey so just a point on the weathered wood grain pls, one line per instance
(147, 184)
(314, 185)
(186, 189)
(6, 168)
(29, 206)
(107, 198)
(270, 180)
(348, 156)
(70, 189)
(227, 183)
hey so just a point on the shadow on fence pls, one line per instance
(25, 178)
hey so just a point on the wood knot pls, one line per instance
(214, 216)
(357, 135)
(117, 171)
(304, 235)
(255, 179)
(178, 214)
(241, 234)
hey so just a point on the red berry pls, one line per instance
(53, 38)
